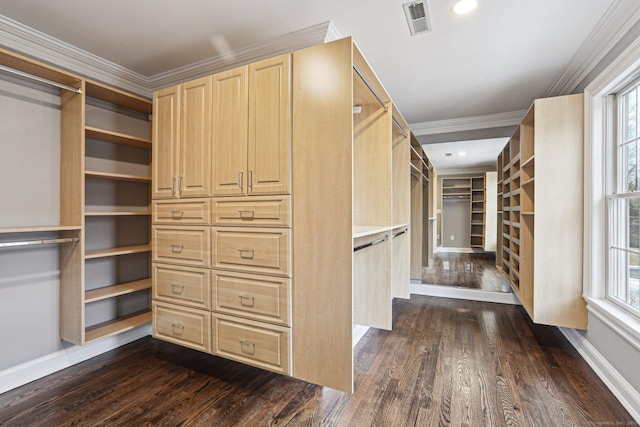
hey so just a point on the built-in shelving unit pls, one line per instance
(540, 212)
(473, 190)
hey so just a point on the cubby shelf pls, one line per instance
(116, 138)
(117, 176)
(39, 229)
(116, 290)
(117, 326)
(118, 213)
(124, 250)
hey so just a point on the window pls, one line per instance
(624, 203)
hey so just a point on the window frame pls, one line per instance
(600, 130)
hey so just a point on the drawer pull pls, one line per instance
(247, 251)
(172, 184)
(177, 289)
(179, 185)
(248, 347)
(250, 303)
(240, 180)
(177, 213)
(177, 329)
(246, 214)
(176, 248)
(249, 179)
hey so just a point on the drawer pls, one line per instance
(182, 285)
(181, 325)
(263, 298)
(256, 211)
(254, 250)
(253, 343)
(182, 245)
(184, 212)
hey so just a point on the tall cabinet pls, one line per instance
(305, 232)
(542, 211)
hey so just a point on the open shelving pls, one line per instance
(541, 167)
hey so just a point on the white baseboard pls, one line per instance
(39, 368)
(358, 333)
(464, 293)
(620, 387)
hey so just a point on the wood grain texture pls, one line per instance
(447, 362)
(322, 220)
(166, 137)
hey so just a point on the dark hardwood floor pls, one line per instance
(483, 274)
(447, 362)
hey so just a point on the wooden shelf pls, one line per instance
(117, 176)
(116, 326)
(526, 163)
(118, 97)
(30, 66)
(39, 229)
(125, 250)
(116, 138)
(118, 213)
(362, 231)
(529, 181)
(116, 290)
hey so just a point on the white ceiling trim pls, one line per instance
(42, 47)
(443, 173)
(468, 123)
(612, 27)
(283, 44)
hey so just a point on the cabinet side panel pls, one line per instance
(322, 215)
(72, 213)
(559, 212)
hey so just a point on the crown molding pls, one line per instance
(621, 16)
(37, 45)
(332, 33)
(468, 123)
(296, 40)
(42, 47)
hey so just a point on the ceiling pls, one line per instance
(495, 60)
(465, 156)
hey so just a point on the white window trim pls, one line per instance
(597, 127)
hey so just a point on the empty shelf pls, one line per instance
(117, 176)
(117, 326)
(116, 290)
(125, 250)
(116, 138)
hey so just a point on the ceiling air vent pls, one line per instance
(417, 17)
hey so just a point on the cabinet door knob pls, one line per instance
(248, 347)
(177, 289)
(246, 253)
(250, 301)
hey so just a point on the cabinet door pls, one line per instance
(269, 167)
(166, 110)
(194, 177)
(230, 132)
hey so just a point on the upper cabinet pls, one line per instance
(182, 140)
(252, 129)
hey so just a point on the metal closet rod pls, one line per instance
(400, 127)
(38, 242)
(373, 243)
(370, 88)
(400, 233)
(41, 79)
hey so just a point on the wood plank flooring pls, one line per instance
(447, 362)
(484, 274)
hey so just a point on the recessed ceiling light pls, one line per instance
(462, 153)
(462, 7)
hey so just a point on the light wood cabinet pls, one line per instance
(181, 325)
(252, 129)
(182, 140)
(274, 123)
(542, 210)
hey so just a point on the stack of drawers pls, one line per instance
(222, 277)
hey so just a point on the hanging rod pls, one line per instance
(400, 127)
(40, 79)
(38, 242)
(370, 88)
(372, 243)
(400, 233)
